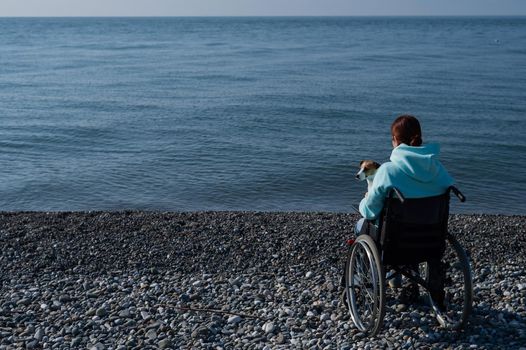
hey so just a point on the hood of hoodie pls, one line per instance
(420, 163)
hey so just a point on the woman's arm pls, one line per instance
(372, 204)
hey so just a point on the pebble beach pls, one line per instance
(230, 280)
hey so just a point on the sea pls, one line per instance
(253, 113)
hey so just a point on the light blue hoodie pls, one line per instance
(415, 171)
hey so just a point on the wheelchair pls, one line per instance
(411, 233)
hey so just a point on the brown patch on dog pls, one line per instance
(369, 166)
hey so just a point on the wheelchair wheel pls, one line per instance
(457, 286)
(365, 286)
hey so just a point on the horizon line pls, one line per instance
(268, 16)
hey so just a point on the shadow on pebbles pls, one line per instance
(230, 280)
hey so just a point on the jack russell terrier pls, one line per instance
(367, 171)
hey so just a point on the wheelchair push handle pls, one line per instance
(457, 193)
(398, 194)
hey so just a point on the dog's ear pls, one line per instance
(376, 165)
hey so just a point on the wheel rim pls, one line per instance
(362, 287)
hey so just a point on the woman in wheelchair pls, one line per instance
(404, 227)
(416, 171)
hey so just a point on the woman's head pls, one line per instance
(406, 129)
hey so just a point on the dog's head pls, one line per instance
(367, 169)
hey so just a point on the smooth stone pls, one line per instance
(269, 327)
(125, 313)
(234, 319)
(58, 340)
(330, 286)
(23, 301)
(153, 326)
(151, 334)
(201, 333)
(32, 344)
(400, 307)
(39, 334)
(130, 323)
(75, 342)
(29, 330)
(236, 281)
(91, 312)
(101, 312)
(75, 331)
(97, 346)
(64, 298)
(164, 344)
(184, 298)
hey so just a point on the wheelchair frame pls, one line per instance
(365, 277)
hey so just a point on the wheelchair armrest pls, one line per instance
(457, 193)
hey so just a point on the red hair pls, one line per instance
(406, 129)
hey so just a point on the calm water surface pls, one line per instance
(253, 113)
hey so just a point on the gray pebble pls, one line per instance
(101, 312)
(269, 327)
(201, 333)
(125, 313)
(145, 280)
(164, 344)
(76, 342)
(32, 344)
(151, 334)
(97, 346)
(39, 334)
(235, 319)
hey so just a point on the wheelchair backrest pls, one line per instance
(413, 230)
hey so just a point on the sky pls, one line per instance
(10, 8)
